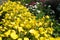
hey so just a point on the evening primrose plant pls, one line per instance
(17, 23)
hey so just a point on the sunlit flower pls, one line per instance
(14, 35)
(47, 16)
(7, 33)
(25, 38)
(51, 38)
(19, 39)
(0, 38)
(20, 29)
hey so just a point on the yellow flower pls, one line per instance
(46, 24)
(14, 35)
(16, 26)
(28, 26)
(20, 29)
(46, 35)
(18, 21)
(34, 32)
(42, 38)
(41, 30)
(0, 38)
(50, 30)
(19, 39)
(25, 38)
(7, 33)
(40, 23)
(1, 13)
(22, 25)
(47, 16)
(51, 38)
(58, 38)
(2, 35)
(5, 28)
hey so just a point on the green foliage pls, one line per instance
(23, 1)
